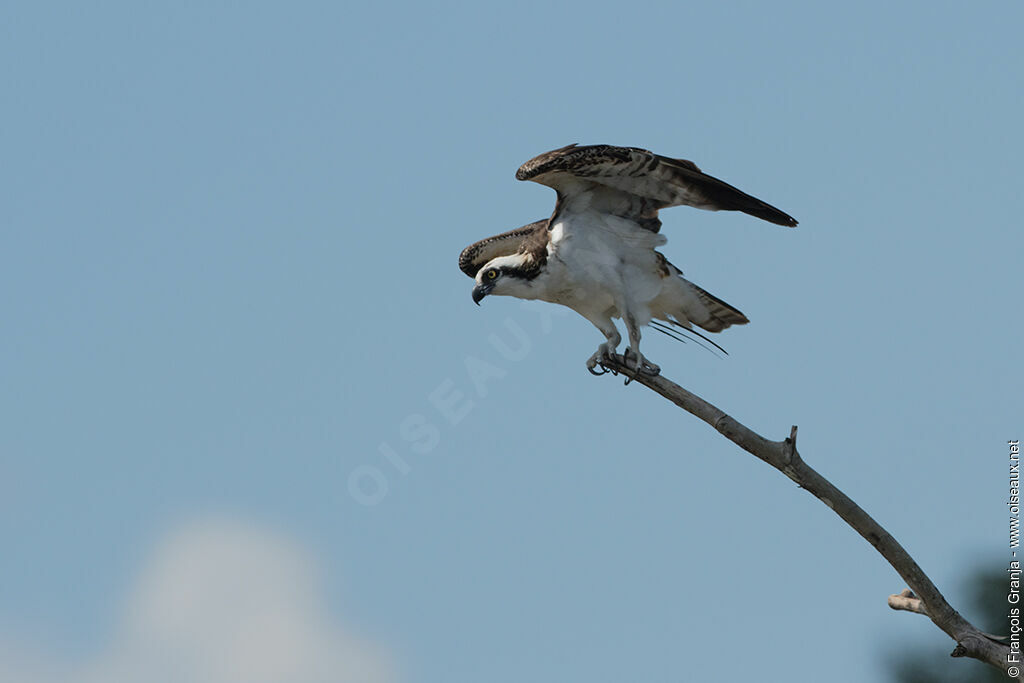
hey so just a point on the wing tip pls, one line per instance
(773, 215)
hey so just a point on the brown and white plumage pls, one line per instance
(529, 239)
(596, 254)
(645, 181)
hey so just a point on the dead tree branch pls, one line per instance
(924, 599)
(906, 601)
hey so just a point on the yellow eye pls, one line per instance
(491, 274)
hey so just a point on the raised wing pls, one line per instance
(657, 182)
(473, 257)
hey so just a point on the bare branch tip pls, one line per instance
(790, 454)
(907, 601)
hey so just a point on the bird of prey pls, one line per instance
(596, 253)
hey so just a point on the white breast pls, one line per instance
(599, 262)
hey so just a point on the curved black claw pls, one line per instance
(649, 370)
(643, 368)
(625, 361)
(593, 371)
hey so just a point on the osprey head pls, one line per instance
(506, 276)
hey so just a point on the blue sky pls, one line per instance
(228, 282)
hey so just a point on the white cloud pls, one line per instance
(221, 602)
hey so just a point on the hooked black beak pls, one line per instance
(480, 291)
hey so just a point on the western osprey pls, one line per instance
(596, 254)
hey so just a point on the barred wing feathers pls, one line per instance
(659, 181)
(521, 240)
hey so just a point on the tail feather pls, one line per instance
(708, 311)
(720, 314)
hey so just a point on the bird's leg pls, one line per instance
(642, 365)
(607, 349)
